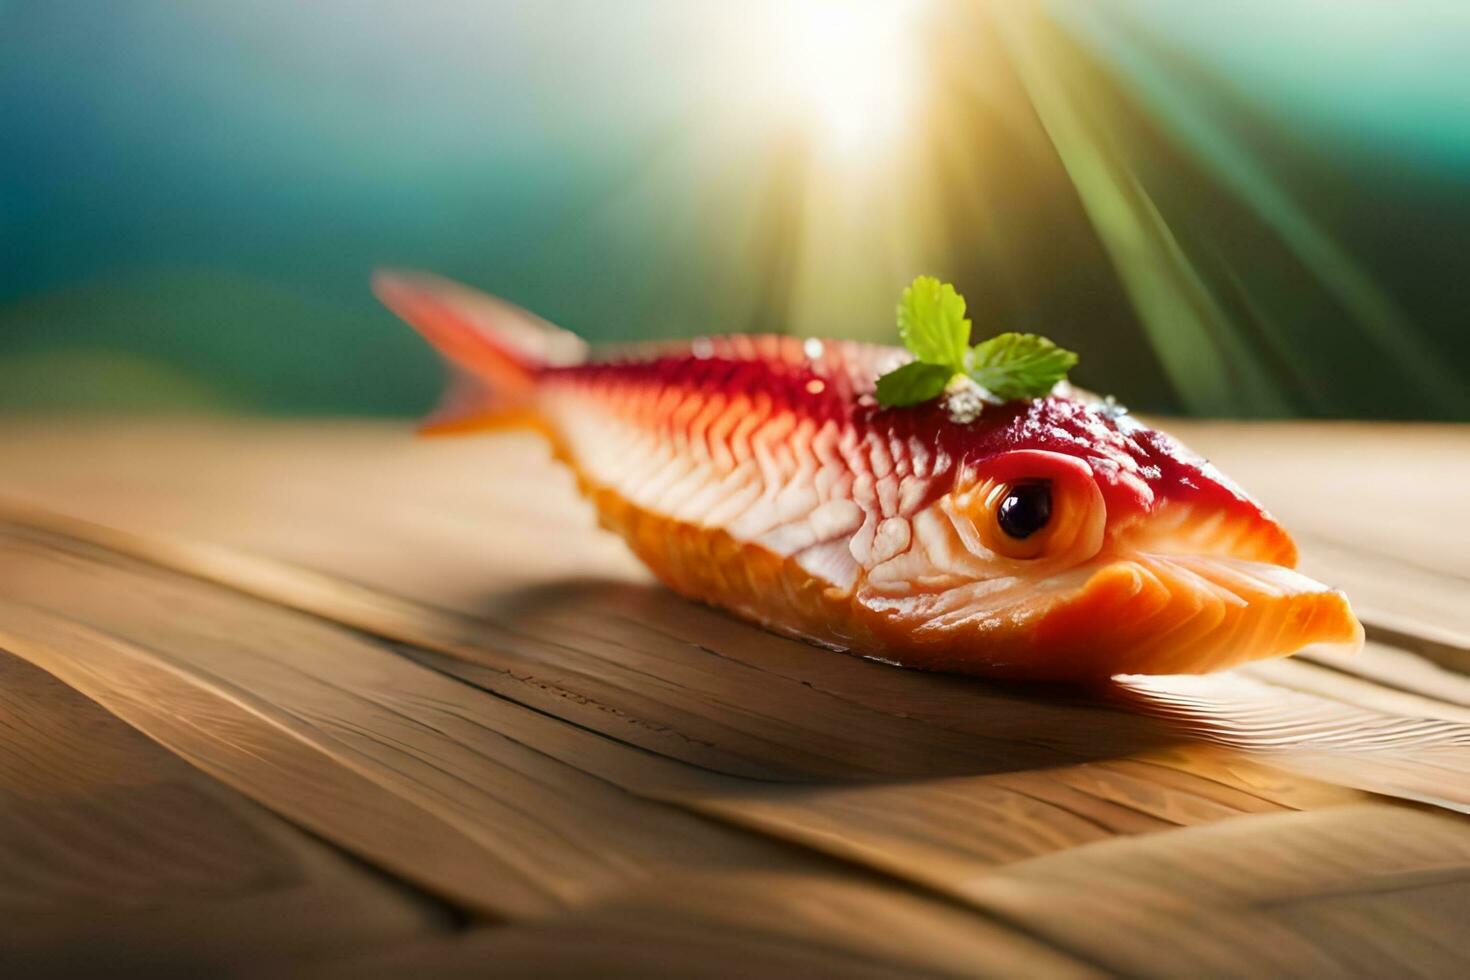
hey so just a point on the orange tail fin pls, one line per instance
(494, 350)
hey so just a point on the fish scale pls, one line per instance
(759, 474)
(693, 406)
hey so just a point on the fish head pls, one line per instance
(1074, 542)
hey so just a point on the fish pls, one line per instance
(1055, 539)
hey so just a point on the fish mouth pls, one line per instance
(1186, 614)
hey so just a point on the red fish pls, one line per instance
(1053, 538)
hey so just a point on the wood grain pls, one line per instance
(356, 743)
(1270, 895)
(501, 807)
(425, 654)
(297, 739)
(118, 857)
(774, 925)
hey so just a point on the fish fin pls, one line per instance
(470, 404)
(495, 350)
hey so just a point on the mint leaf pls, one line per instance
(931, 321)
(1018, 365)
(913, 383)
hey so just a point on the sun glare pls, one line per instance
(850, 70)
(831, 96)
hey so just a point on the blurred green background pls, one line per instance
(1255, 208)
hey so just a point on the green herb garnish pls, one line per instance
(932, 323)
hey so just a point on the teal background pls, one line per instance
(1259, 208)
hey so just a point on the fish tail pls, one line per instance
(496, 352)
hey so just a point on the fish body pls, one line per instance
(1054, 538)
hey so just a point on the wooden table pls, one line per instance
(323, 699)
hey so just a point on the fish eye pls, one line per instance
(1025, 509)
(1029, 505)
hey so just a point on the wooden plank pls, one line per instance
(786, 921)
(393, 761)
(938, 834)
(117, 856)
(1324, 724)
(771, 925)
(1324, 893)
(228, 653)
(943, 833)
